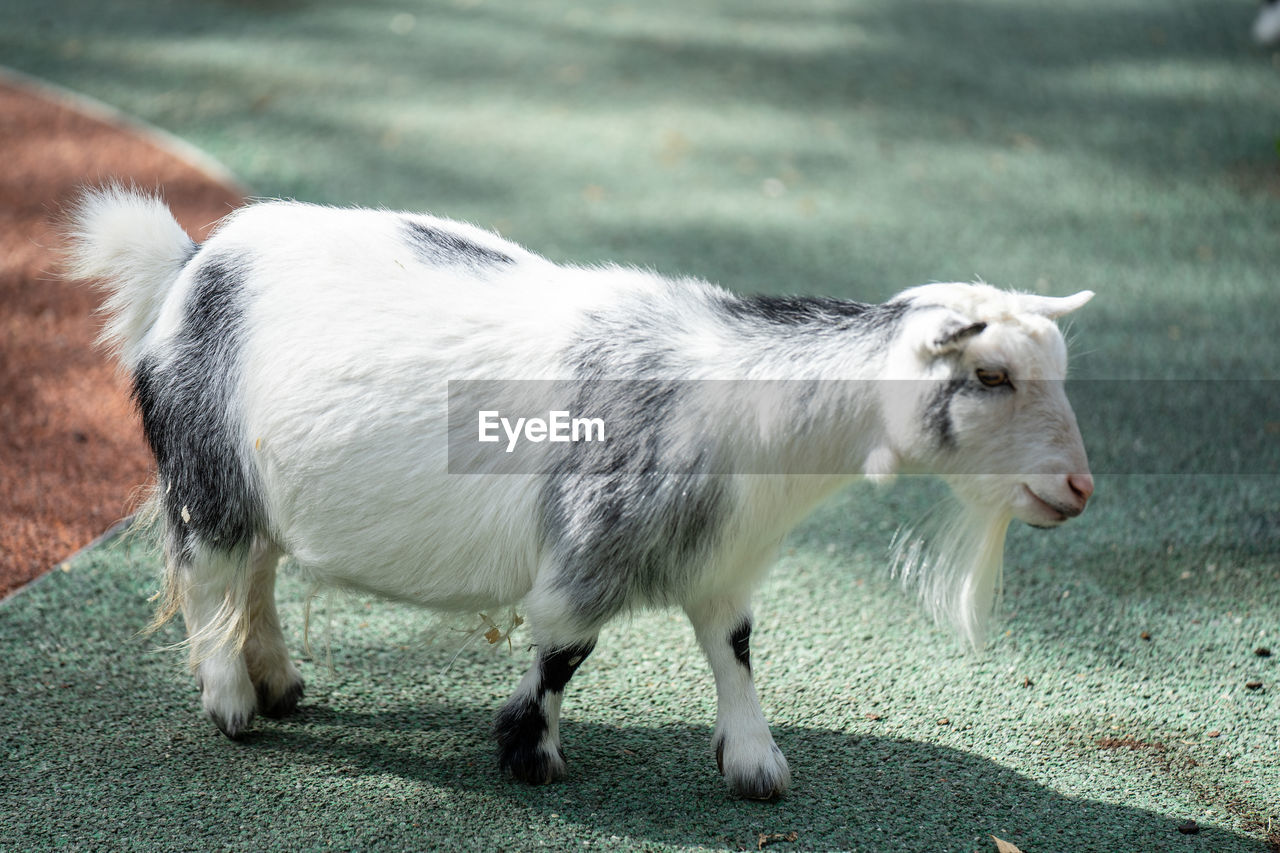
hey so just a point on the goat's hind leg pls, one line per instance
(275, 678)
(214, 585)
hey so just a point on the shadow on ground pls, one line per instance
(106, 745)
(405, 775)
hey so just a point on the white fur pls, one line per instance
(351, 339)
(132, 241)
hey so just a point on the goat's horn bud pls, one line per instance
(1055, 306)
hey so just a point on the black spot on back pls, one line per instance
(816, 312)
(187, 406)
(436, 246)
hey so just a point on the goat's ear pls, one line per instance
(953, 334)
(1054, 306)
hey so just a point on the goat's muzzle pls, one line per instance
(1081, 486)
(1053, 509)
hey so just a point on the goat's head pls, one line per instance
(979, 400)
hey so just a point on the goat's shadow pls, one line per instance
(105, 738)
(659, 784)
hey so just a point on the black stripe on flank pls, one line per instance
(187, 401)
(629, 518)
(436, 246)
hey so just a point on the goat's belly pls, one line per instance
(428, 570)
(437, 586)
(449, 542)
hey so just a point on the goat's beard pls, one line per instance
(955, 560)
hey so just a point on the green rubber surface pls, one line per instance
(843, 148)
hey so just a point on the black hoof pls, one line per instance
(284, 704)
(520, 728)
(533, 766)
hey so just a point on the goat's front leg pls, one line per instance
(749, 760)
(528, 727)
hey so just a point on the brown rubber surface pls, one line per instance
(71, 451)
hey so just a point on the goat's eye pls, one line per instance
(993, 378)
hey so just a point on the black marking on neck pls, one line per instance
(438, 247)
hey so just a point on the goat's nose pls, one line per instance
(1081, 485)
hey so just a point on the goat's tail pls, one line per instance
(129, 242)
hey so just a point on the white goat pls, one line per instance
(293, 377)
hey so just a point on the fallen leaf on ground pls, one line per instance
(767, 838)
(1003, 846)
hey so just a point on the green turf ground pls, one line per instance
(846, 148)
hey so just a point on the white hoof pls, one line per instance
(753, 766)
(228, 696)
